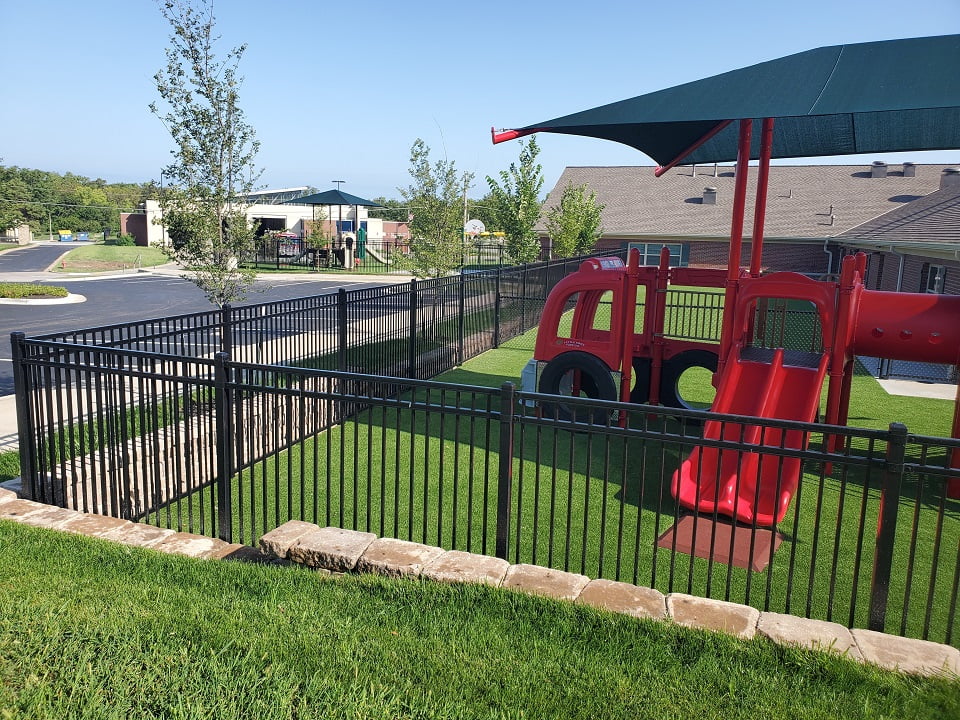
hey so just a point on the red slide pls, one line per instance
(749, 486)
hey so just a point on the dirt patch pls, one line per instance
(90, 266)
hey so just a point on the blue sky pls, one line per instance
(341, 90)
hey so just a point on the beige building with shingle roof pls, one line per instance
(813, 212)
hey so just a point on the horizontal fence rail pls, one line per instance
(320, 409)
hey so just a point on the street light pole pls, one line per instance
(163, 228)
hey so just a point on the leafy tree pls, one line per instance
(515, 202)
(435, 198)
(574, 223)
(390, 209)
(12, 190)
(213, 167)
(319, 234)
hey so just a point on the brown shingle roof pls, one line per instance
(799, 199)
(934, 218)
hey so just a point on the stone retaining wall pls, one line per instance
(336, 550)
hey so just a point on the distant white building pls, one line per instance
(271, 215)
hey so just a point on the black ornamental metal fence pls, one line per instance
(320, 409)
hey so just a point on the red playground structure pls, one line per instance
(762, 382)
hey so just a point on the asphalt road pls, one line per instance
(32, 258)
(126, 298)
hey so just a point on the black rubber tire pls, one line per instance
(595, 382)
(675, 367)
(640, 393)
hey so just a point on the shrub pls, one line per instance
(28, 290)
(123, 240)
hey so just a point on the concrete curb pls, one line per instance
(336, 550)
(69, 299)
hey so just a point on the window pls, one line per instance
(936, 274)
(650, 253)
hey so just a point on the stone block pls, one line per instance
(21, 510)
(6, 495)
(139, 535)
(94, 525)
(624, 598)
(54, 518)
(717, 615)
(458, 566)
(908, 655)
(807, 633)
(331, 548)
(397, 558)
(190, 545)
(538, 580)
(278, 541)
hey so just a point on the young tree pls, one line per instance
(319, 235)
(516, 203)
(213, 166)
(435, 199)
(574, 223)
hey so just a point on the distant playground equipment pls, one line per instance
(809, 95)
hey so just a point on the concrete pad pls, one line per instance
(190, 545)
(94, 525)
(624, 598)
(331, 548)
(537, 580)
(919, 657)
(807, 633)
(717, 615)
(278, 541)
(458, 566)
(6, 495)
(139, 535)
(397, 558)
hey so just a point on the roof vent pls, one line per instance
(909, 169)
(878, 169)
(950, 178)
(709, 196)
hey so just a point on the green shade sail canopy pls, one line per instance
(331, 197)
(887, 96)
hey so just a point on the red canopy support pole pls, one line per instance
(736, 240)
(760, 208)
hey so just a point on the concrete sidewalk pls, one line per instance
(8, 423)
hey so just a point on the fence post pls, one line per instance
(505, 474)
(342, 329)
(224, 421)
(523, 300)
(461, 319)
(226, 329)
(25, 430)
(887, 525)
(412, 345)
(496, 313)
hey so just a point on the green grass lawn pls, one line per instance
(94, 630)
(98, 258)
